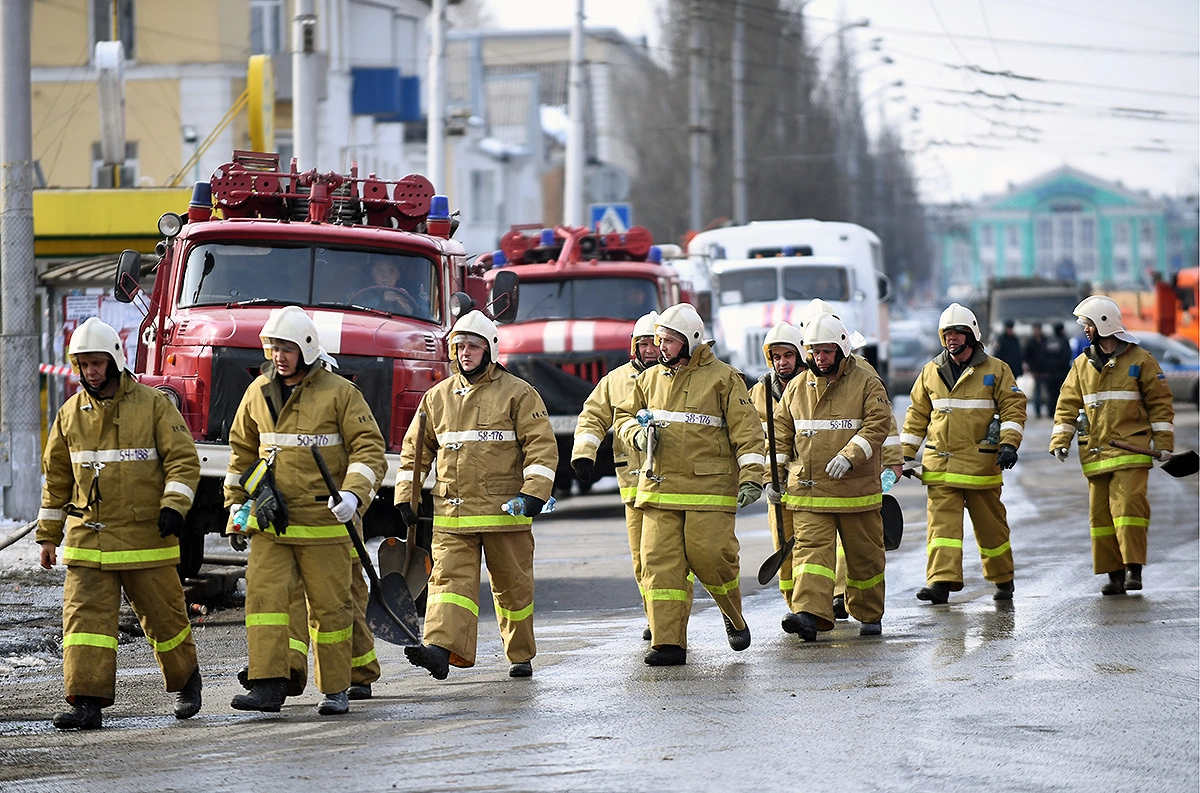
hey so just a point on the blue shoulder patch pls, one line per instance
(1015, 388)
(989, 379)
(1161, 376)
(1135, 370)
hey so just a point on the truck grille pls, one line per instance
(565, 380)
(591, 371)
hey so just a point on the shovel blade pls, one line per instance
(416, 576)
(393, 591)
(390, 556)
(771, 566)
(893, 522)
(1183, 464)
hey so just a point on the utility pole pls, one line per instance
(696, 129)
(435, 99)
(305, 72)
(576, 141)
(20, 418)
(739, 113)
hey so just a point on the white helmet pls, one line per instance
(476, 323)
(684, 320)
(827, 329)
(290, 323)
(1105, 314)
(957, 315)
(641, 329)
(96, 336)
(782, 333)
(815, 308)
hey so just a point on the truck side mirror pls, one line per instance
(129, 271)
(704, 305)
(885, 289)
(505, 289)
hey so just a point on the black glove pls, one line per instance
(533, 505)
(906, 470)
(1006, 457)
(269, 510)
(585, 469)
(407, 515)
(170, 523)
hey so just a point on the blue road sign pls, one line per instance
(611, 217)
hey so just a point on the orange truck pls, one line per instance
(1169, 308)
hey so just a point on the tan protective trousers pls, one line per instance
(944, 535)
(815, 555)
(91, 607)
(1119, 514)
(364, 664)
(452, 607)
(675, 542)
(786, 582)
(273, 573)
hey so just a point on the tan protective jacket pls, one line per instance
(596, 420)
(136, 454)
(324, 410)
(816, 421)
(713, 440)
(1127, 399)
(954, 421)
(493, 441)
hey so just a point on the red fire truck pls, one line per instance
(581, 292)
(371, 260)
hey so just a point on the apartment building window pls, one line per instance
(1120, 232)
(1120, 269)
(1087, 232)
(483, 196)
(1045, 234)
(1147, 232)
(1014, 235)
(102, 175)
(268, 34)
(985, 238)
(102, 24)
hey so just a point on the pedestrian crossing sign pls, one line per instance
(611, 218)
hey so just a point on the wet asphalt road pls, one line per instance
(1060, 690)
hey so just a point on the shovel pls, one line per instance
(409, 559)
(1182, 464)
(391, 613)
(893, 522)
(771, 566)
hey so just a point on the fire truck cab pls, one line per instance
(371, 261)
(581, 292)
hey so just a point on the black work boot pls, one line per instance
(266, 695)
(296, 681)
(870, 629)
(335, 704)
(1004, 591)
(83, 715)
(430, 656)
(187, 699)
(738, 640)
(1116, 584)
(1133, 577)
(839, 608)
(522, 669)
(936, 593)
(803, 625)
(646, 634)
(359, 691)
(666, 655)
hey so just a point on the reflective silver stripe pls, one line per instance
(764, 426)
(115, 456)
(232, 479)
(751, 459)
(405, 475)
(914, 440)
(827, 424)
(1091, 400)
(586, 438)
(891, 440)
(862, 443)
(539, 470)
(968, 404)
(371, 495)
(1012, 425)
(288, 439)
(362, 470)
(677, 417)
(1067, 428)
(51, 514)
(467, 436)
(780, 459)
(1162, 426)
(181, 489)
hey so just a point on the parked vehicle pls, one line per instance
(1180, 363)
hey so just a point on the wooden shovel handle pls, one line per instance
(1135, 449)
(414, 498)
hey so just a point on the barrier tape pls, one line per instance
(57, 371)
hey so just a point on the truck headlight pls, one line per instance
(172, 395)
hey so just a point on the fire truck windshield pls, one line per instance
(587, 298)
(395, 283)
(804, 282)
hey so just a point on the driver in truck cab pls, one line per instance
(392, 290)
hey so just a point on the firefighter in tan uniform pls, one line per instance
(1121, 393)
(967, 407)
(707, 461)
(596, 420)
(832, 424)
(495, 448)
(781, 347)
(298, 538)
(120, 473)
(890, 457)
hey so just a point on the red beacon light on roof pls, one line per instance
(569, 245)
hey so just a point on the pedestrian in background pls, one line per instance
(1057, 362)
(1008, 349)
(1034, 355)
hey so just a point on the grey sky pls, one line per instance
(1107, 86)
